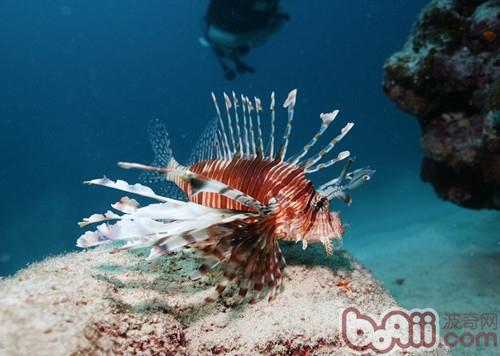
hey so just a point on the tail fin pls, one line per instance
(161, 144)
(164, 158)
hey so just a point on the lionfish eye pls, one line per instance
(320, 204)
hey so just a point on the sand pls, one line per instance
(445, 257)
(94, 302)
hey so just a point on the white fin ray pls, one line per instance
(189, 236)
(238, 129)
(167, 224)
(184, 211)
(226, 149)
(258, 110)
(326, 120)
(341, 156)
(124, 229)
(137, 188)
(250, 110)
(313, 160)
(273, 125)
(126, 205)
(178, 241)
(144, 232)
(290, 106)
(227, 101)
(160, 211)
(97, 218)
(246, 141)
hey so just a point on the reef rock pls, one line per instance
(448, 76)
(97, 303)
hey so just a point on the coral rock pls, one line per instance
(97, 303)
(448, 76)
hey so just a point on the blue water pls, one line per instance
(81, 79)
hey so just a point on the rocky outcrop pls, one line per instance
(448, 76)
(97, 303)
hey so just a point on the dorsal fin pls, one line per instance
(225, 147)
(227, 101)
(273, 125)
(290, 106)
(239, 142)
(246, 141)
(313, 160)
(243, 138)
(250, 110)
(341, 156)
(326, 120)
(258, 110)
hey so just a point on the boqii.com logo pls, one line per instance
(396, 330)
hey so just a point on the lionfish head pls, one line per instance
(324, 225)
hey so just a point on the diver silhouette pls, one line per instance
(232, 27)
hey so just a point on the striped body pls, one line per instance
(262, 179)
(295, 216)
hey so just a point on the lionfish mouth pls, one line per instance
(224, 202)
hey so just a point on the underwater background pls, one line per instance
(81, 80)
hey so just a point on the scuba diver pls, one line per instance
(232, 27)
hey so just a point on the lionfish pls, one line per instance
(242, 198)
